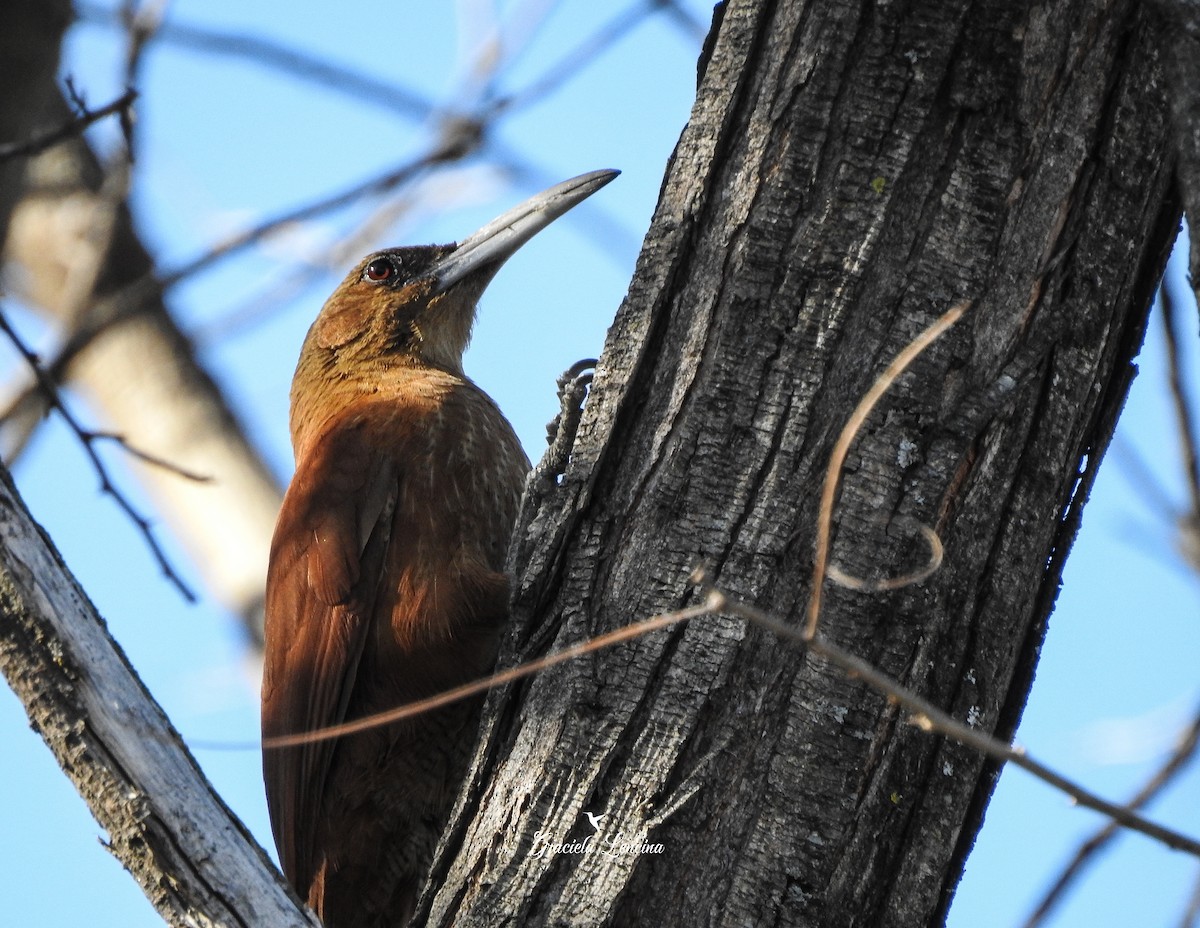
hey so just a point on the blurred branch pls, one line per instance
(289, 284)
(676, 11)
(191, 856)
(88, 440)
(86, 265)
(1184, 416)
(265, 52)
(143, 373)
(458, 139)
(29, 52)
(43, 140)
(1183, 754)
(134, 298)
(574, 61)
(1191, 915)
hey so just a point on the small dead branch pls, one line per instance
(922, 713)
(573, 62)
(1184, 753)
(264, 52)
(1184, 416)
(48, 139)
(88, 440)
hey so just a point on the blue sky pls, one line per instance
(226, 142)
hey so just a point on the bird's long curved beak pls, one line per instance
(496, 242)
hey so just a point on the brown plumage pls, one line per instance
(386, 578)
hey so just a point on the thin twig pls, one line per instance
(833, 473)
(920, 575)
(1184, 418)
(923, 714)
(146, 457)
(48, 139)
(264, 52)
(88, 439)
(573, 62)
(449, 147)
(1191, 915)
(131, 299)
(1184, 753)
(473, 688)
(77, 301)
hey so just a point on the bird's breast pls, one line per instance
(458, 475)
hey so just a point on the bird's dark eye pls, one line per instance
(379, 270)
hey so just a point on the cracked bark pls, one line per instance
(848, 173)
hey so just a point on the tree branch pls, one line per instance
(88, 439)
(43, 140)
(192, 857)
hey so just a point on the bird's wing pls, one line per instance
(326, 561)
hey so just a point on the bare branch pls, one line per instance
(135, 297)
(88, 439)
(51, 137)
(571, 63)
(146, 457)
(930, 718)
(923, 714)
(1184, 753)
(1184, 418)
(1191, 915)
(408, 710)
(264, 52)
(457, 141)
(195, 861)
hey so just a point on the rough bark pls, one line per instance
(194, 860)
(849, 171)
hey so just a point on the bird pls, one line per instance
(594, 819)
(386, 579)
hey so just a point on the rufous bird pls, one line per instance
(386, 582)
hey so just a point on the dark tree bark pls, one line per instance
(849, 171)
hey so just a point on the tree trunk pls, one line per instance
(848, 173)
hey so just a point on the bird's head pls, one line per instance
(414, 307)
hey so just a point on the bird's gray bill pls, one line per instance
(496, 242)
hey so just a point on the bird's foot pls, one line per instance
(573, 386)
